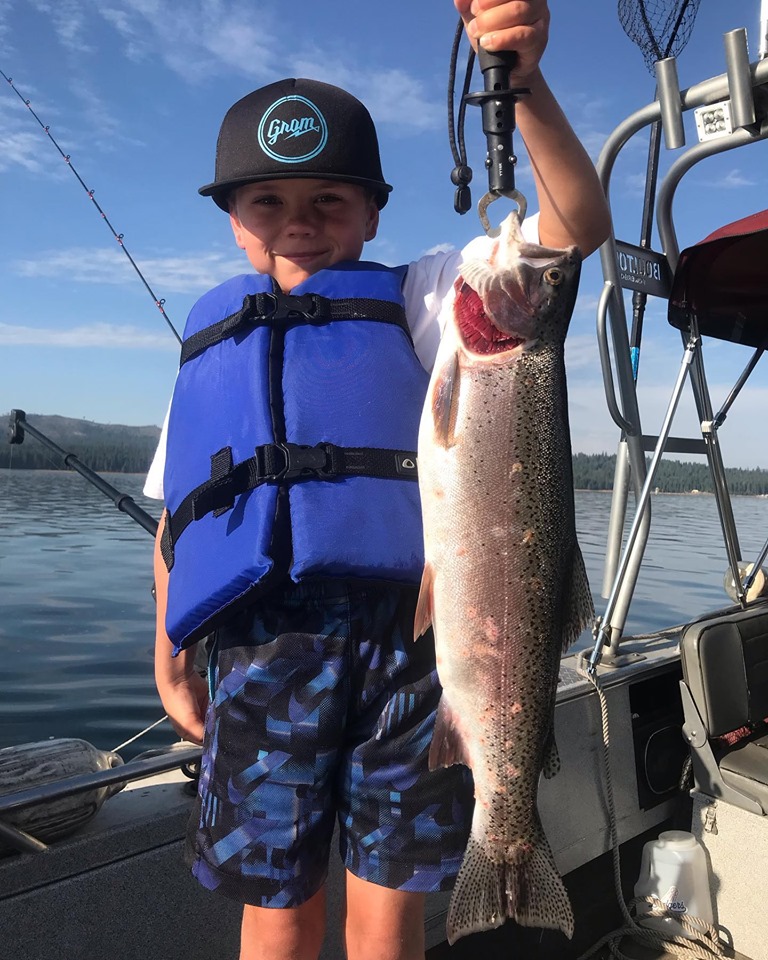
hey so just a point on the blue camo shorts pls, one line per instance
(323, 708)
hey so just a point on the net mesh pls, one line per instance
(660, 28)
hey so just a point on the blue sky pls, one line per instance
(134, 91)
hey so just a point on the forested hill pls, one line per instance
(112, 448)
(104, 447)
(595, 472)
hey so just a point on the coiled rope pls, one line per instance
(118, 236)
(706, 944)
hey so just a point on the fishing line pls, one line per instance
(118, 236)
(141, 733)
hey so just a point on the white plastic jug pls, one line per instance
(674, 870)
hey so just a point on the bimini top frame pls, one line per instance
(739, 96)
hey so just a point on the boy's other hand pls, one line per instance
(521, 26)
(183, 692)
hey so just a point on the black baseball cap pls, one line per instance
(297, 128)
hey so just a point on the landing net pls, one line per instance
(660, 28)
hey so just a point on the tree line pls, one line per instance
(133, 454)
(596, 471)
(125, 456)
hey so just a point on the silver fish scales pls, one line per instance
(504, 582)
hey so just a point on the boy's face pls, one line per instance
(293, 228)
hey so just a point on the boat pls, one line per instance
(658, 733)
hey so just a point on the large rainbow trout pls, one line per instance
(504, 582)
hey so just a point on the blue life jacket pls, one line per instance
(291, 442)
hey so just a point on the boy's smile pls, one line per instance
(292, 228)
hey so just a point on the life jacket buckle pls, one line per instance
(307, 306)
(304, 461)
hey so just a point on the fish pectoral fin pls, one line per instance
(480, 275)
(422, 620)
(445, 400)
(448, 746)
(579, 608)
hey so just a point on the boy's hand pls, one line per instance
(185, 699)
(521, 26)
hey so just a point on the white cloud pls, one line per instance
(6, 6)
(175, 274)
(98, 335)
(734, 180)
(439, 248)
(20, 149)
(202, 39)
(69, 20)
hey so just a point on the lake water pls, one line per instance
(77, 615)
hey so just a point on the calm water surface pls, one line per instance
(77, 615)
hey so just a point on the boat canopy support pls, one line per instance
(742, 94)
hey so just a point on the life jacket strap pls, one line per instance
(278, 463)
(260, 309)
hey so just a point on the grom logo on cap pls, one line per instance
(292, 130)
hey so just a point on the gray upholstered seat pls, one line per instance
(725, 689)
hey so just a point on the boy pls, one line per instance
(322, 705)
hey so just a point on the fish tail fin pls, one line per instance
(526, 887)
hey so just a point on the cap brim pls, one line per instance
(220, 191)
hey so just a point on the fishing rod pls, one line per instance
(497, 101)
(160, 304)
(18, 426)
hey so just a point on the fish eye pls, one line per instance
(553, 276)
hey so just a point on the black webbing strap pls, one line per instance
(277, 463)
(261, 309)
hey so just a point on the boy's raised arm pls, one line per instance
(572, 205)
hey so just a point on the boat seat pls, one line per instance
(725, 703)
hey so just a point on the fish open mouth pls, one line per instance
(478, 333)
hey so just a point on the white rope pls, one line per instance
(705, 944)
(146, 730)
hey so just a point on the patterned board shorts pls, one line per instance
(323, 708)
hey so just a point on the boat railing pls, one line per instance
(184, 757)
(740, 95)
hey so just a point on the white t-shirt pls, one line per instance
(428, 292)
